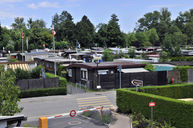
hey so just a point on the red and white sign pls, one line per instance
(72, 113)
(151, 104)
(22, 35)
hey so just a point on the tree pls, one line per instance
(171, 44)
(9, 93)
(131, 52)
(64, 27)
(19, 23)
(115, 37)
(141, 39)
(85, 32)
(152, 36)
(130, 39)
(188, 29)
(101, 35)
(107, 55)
(150, 20)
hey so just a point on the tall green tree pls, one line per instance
(64, 27)
(19, 23)
(85, 32)
(171, 44)
(153, 36)
(9, 93)
(101, 35)
(115, 37)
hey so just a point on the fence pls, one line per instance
(110, 81)
(28, 84)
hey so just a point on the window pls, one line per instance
(70, 72)
(84, 74)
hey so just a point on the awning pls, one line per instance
(134, 70)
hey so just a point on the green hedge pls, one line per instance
(182, 58)
(62, 81)
(43, 92)
(179, 113)
(183, 72)
(176, 91)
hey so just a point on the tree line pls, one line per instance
(153, 29)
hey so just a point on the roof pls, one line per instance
(105, 65)
(182, 63)
(134, 70)
(21, 66)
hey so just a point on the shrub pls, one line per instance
(182, 58)
(22, 74)
(171, 110)
(149, 67)
(43, 92)
(35, 73)
(183, 72)
(62, 81)
(61, 71)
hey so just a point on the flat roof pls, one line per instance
(104, 65)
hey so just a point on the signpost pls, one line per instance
(72, 113)
(22, 37)
(137, 83)
(151, 104)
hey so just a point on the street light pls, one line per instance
(97, 62)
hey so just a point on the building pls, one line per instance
(90, 74)
(52, 62)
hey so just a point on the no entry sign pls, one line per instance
(72, 113)
(151, 104)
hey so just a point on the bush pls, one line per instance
(183, 72)
(62, 71)
(170, 110)
(149, 67)
(62, 81)
(182, 58)
(22, 74)
(43, 92)
(35, 73)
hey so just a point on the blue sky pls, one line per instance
(98, 11)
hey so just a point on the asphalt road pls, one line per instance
(70, 122)
(53, 105)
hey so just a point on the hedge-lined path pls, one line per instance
(51, 105)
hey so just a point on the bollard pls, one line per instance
(101, 112)
(43, 122)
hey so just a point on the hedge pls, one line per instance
(62, 81)
(178, 113)
(176, 91)
(43, 92)
(182, 58)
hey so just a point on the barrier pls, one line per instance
(43, 121)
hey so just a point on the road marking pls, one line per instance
(94, 102)
(91, 97)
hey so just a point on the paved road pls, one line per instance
(52, 105)
(69, 122)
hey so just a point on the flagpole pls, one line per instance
(54, 44)
(22, 46)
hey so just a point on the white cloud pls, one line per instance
(166, 6)
(5, 15)
(44, 5)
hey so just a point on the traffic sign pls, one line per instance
(72, 113)
(151, 104)
(137, 82)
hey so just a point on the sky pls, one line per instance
(98, 11)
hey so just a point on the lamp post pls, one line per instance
(97, 63)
